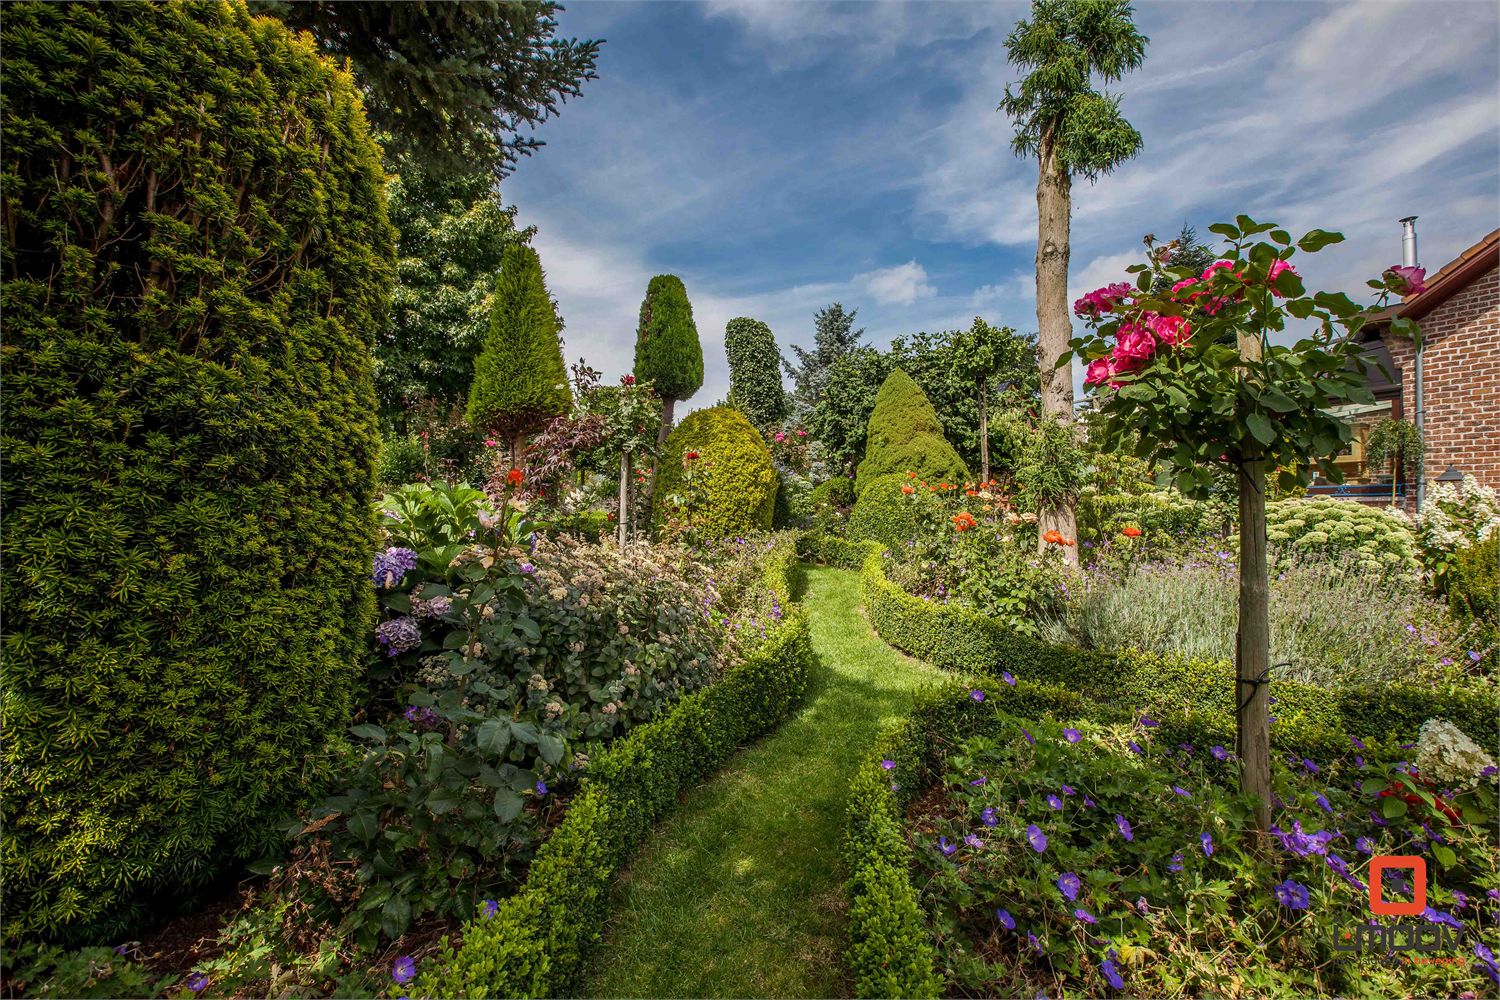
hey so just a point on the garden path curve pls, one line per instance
(740, 892)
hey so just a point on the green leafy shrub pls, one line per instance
(1379, 542)
(905, 435)
(793, 500)
(828, 505)
(197, 254)
(1473, 586)
(1164, 517)
(667, 351)
(536, 942)
(755, 386)
(715, 476)
(894, 511)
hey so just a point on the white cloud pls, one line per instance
(902, 284)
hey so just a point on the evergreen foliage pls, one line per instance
(755, 386)
(834, 336)
(667, 352)
(1187, 252)
(451, 84)
(729, 488)
(520, 381)
(197, 254)
(451, 233)
(887, 514)
(842, 414)
(905, 435)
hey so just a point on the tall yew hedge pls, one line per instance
(196, 256)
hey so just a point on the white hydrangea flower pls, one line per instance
(1447, 755)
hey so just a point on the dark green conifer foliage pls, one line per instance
(755, 387)
(905, 435)
(197, 254)
(667, 351)
(520, 381)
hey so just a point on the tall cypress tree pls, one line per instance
(520, 381)
(667, 352)
(755, 387)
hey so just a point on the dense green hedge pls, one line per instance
(197, 254)
(536, 942)
(729, 488)
(884, 514)
(905, 435)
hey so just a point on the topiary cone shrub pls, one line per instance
(715, 476)
(905, 435)
(197, 254)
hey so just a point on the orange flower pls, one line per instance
(513, 477)
(905, 488)
(971, 493)
(1052, 537)
(1131, 531)
(964, 521)
(911, 475)
(944, 486)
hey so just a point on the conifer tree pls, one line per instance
(834, 337)
(755, 387)
(520, 381)
(667, 352)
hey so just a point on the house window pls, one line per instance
(1351, 461)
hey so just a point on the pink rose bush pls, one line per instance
(1102, 300)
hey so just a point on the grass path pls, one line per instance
(740, 892)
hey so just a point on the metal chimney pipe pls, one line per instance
(1409, 241)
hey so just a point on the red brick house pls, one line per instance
(1459, 313)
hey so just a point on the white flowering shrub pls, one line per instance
(1452, 520)
(1377, 541)
(1445, 753)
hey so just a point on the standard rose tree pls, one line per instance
(1190, 377)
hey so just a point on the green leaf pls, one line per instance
(1137, 390)
(1317, 240)
(362, 826)
(507, 805)
(1260, 427)
(1300, 308)
(1392, 807)
(551, 748)
(369, 731)
(1445, 855)
(1281, 236)
(395, 916)
(1277, 400)
(1225, 230)
(493, 735)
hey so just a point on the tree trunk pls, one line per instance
(1253, 646)
(623, 528)
(667, 405)
(1054, 328)
(984, 431)
(517, 444)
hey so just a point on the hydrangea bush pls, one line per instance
(1092, 859)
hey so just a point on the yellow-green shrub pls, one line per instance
(905, 435)
(729, 487)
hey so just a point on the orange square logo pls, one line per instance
(1418, 866)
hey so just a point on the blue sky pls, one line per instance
(781, 156)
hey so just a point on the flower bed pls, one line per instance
(534, 942)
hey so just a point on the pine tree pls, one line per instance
(520, 381)
(834, 337)
(450, 84)
(1185, 251)
(755, 387)
(667, 352)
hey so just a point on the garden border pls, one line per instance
(537, 940)
(890, 953)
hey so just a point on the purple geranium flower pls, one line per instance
(197, 982)
(491, 907)
(1310, 766)
(1364, 845)
(1036, 838)
(1341, 866)
(978, 781)
(1207, 840)
(1182, 791)
(1008, 677)
(988, 817)
(976, 695)
(1147, 722)
(1054, 802)
(1219, 752)
(1292, 895)
(1142, 907)
(1176, 863)
(1085, 916)
(1068, 884)
(1029, 738)
(1439, 917)
(1112, 973)
(405, 969)
(1068, 790)
(888, 764)
(1322, 801)
(1358, 743)
(1089, 803)
(541, 787)
(1006, 920)
(1135, 747)
(1123, 825)
(1036, 945)
(946, 846)
(1072, 735)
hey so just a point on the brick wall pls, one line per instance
(1461, 381)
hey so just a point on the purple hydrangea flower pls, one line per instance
(1085, 916)
(405, 969)
(1008, 677)
(1068, 884)
(398, 635)
(988, 817)
(1072, 735)
(1207, 840)
(1006, 920)
(527, 568)
(393, 564)
(1036, 838)
(1123, 825)
(1292, 895)
(1112, 973)
(1054, 802)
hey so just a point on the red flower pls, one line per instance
(1131, 531)
(628, 380)
(689, 455)
(907, 489)
(513, 477)
(964, 521)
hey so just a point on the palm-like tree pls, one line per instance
(1071, 129)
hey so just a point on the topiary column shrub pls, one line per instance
(520, 381)
(755, 386)
(197, 255)
(905, 435)
(667, 351)
(715, 477)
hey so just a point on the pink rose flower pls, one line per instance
(1133, 344)
(1208, 272)
(1276, 268)
(1099, 371)
(780, 436)
(1171, 330)
(1405, 280)
(1184, 283)
(1102, 300)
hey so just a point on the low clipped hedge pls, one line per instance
(884, 514)
(536, 942)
